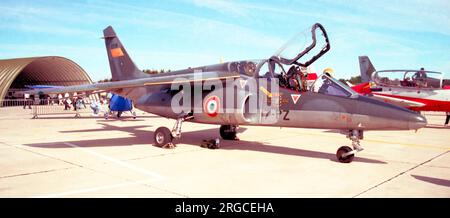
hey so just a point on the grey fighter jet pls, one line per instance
(269, 92)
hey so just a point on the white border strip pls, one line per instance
(94, 189)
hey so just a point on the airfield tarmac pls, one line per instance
(62, 156)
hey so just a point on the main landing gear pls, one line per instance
(228, 132)
(163, 136)
(345, 154)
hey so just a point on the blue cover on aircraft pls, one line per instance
(119, 103)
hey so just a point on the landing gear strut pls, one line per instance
(345, 154)
(163, 136)
(228, 132)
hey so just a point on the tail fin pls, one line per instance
(366, 68)
(122, 67)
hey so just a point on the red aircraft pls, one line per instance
(417, 90)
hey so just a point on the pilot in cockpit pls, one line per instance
(296, 79)
(292, 82)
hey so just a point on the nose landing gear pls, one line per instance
(163, 136)
(345, 154)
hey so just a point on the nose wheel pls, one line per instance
(345, 154)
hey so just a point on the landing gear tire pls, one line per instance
(163, 136)
(228, 132)
(340, 154)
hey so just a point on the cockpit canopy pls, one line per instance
(303, 50)
(408, 78)
(295, 56)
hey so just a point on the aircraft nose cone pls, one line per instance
(388, 116)
(417, 121)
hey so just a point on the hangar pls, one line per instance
(16, 74)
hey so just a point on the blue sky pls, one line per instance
(185, 33)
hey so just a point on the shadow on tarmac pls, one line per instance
(435, 126)
(436, 181)
(145, 137)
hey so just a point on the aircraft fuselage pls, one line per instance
(294, 109)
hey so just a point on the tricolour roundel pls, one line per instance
(211, 106)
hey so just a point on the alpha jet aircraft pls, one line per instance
(417, 90)
(258, 93)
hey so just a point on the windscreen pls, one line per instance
(329, 86)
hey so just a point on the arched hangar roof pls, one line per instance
(49, 70)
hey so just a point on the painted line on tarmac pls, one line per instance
(119, 162)
(401, 173)
(155, 177)
(94, 189)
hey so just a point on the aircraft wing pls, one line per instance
(398, 101)
(149, 81)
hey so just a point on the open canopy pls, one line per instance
(408, 78)
(302, 51)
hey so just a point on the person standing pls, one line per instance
(67, 103)
(74, 103)
(60, 99)
(27, 102)
(95, 106)
(420, 77)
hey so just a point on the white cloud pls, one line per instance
(187, 26)
(407, 15)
